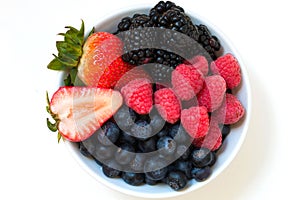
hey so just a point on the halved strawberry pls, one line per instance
(80, 111)
(101, 63)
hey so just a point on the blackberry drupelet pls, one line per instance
(160, 74)
(161, 7)
(209, 42)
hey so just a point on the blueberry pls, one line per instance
(111, 170)
(137, 164)
(141, 129)
(183, 151)
(201, 174)
(156, 168)
(150, 181)
(103, 152)
(202, 157)
(83, 150)
(225, 130)
(178, 133)
(176, 180)
(162, 133)
(185, 167)
(111, 131)
(134, 179)
(166, 145)
(157, 122)
(124, 154)
(147, 146)
(127, 138)
(125, 118)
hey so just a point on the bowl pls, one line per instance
(226, 154)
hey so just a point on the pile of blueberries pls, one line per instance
(144, 149)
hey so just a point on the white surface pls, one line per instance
(34, 166)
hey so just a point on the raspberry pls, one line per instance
(213, 139)
(167, 105)
(200, 63)
(186, 81)
(231, 110)
(228, 67)
(212, 94)
(195, 121)
(134, 73)
(138, 95)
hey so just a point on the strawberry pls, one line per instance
(80, 111)
(101, 63)
(138, 95)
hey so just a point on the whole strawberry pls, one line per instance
(213, 92)
(228, 67)
(231, 110)
(187, 81)
(138, 95)
(167, 105)
(101, 63)
(195, 121)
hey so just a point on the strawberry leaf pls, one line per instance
(52, 127)
(58, 137)
(55, 64)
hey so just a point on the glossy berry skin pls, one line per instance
(178, 133)
(124, 154)
(155, 168)
(157, 122)
(134, 179)
(127, 138)
(185, 167)
(148, 145)
(176, 180)
(166, 145)
(83, 150)
(202, 157)
(125, 118)
(108, 133)
(201, 174)
(110, 169)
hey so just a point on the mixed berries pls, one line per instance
(163, 123)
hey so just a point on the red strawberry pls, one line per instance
(101, 63)
(228, 67)
(80, 111)
(195, 121)
(138, 95)
(186, 81)
(167, 105)
(213, 92)
(231, 110)
(200, 63)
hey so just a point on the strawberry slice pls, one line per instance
(101, 63)
(80, 111)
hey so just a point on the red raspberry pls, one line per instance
(167, 105)
(186, 81)
(228, 67)
(213, 92)
(132, 74)
(195, 121)
(231, 110)
(200, 63)
(213, 139)
(138, 95)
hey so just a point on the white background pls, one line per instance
(34, 166)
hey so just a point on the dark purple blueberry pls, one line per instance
(185, 167)
(183, 151)
(141, 130)
(225, 130)
(124, 154)
(83, 150)
(125, 118)
(147, 146)
(150, 181)
(162, 133)
(155, 168)
(166, 145)
(177, 180)
(137, 164)
(103, 152)
(201, 174)
(111, 169)
(157, 122)
(202, 157)
(127, 138)
(134, 179)
(111, 131)
(178, 133)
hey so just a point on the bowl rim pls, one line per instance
(236, 149)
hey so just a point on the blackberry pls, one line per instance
(161, 7)
(209, 42)
(160, 74)
(166, 58)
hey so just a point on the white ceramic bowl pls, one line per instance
(229, 149)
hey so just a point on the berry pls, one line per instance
(167, 58)
(134, 179)
(141, 130)
(183, 151)
(160, 73)
(101, 63)
(185, 167)
(157, 122)
(83, 150)
(150, 181)
(147, 145)
(231, 110)
(124, 154)
(166, 145)
(202, 157)
(125, 118)
(186, 81)
(110, 170)
(213, 139)
(176, 180)
(156, 168)
(225, 129)
(201, 174)
(103, 152)
(138, 95)
(167, 105)
(137, 164)
(209, 42)
(213, 92)
(228, 67)
(200, 63)
(127, 138)
(71, 107)
(111, 131)
(178, 133)
(195, 121)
